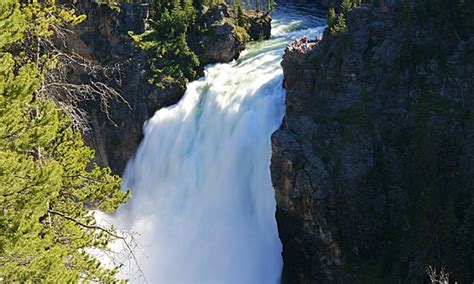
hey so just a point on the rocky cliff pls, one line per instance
(103, 40)
(372, 166)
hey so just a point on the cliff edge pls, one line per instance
(372, 166)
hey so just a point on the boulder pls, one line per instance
(220, 44)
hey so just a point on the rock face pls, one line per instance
(103, 40)
(220, 43)
(224, 39)
(373, 141)
(259, 25)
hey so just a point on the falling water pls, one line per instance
(203, 202)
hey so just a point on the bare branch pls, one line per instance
(95, 227)
(67, 90)
(105, 230)
(441, 277)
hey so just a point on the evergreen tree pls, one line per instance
(47, 183)
(331, 18)
(240, 15)
(166, 41)
(346, 6)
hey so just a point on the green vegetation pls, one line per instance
(337, 22)
(173, 24)
(48, 184)
(171, 58)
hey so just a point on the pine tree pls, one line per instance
(166, 41)
(240, 15)
(47, 183)
(346, 6)
(331, 18)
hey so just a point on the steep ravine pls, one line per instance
(375, 151)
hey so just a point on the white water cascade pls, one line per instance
(203, 202)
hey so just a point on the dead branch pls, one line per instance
(441, 277)
(105, 230)
(59, 66)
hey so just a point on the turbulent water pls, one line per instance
(203, 203)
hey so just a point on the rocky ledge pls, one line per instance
(225, 39)
(378, 135)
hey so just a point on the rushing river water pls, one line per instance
(203, 203)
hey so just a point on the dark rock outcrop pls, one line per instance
(103, 40)
(225, 39)
(259, 25)
(221, 42)
(373, 141)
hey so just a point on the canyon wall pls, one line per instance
(372, 166)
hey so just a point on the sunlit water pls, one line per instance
(203, 203)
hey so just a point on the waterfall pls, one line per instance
(203, 203)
